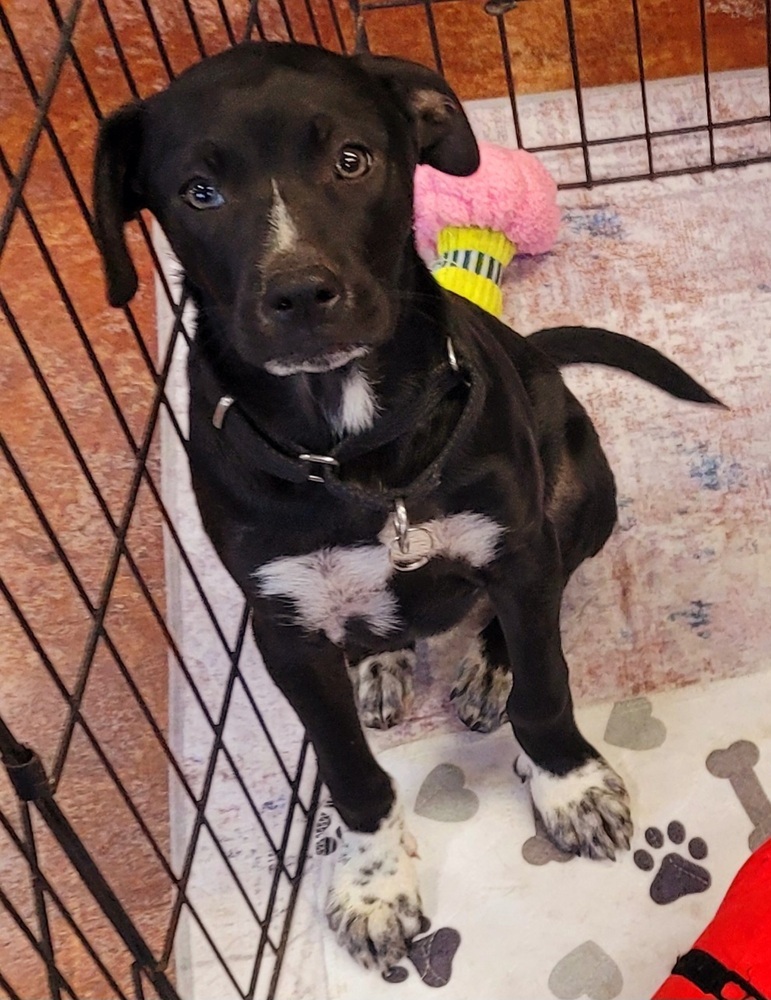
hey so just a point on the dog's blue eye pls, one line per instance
(353, 162)
(202, 194)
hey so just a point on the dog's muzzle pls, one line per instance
(301, 308)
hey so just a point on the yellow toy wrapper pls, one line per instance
(471, 261)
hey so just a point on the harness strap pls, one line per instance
(711, 976)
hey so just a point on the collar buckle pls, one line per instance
(324, 460)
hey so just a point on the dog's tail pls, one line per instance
(572, 345)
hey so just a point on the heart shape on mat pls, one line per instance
(539, 850)
(586, 971)
(442, 796)
(631, 725)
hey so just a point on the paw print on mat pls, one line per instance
(677, 876)
(431, 955)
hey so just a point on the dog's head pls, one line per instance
(282, 177)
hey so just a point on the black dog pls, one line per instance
(373, 458)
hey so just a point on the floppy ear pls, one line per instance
(116, 199)
(445, 139)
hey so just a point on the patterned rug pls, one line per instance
(511, 917)
(667, 635)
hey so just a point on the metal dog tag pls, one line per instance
(410, 548)
(414, 552)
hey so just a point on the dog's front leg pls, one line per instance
(374, 902)
(582, 801)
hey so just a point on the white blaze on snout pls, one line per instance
(331, 586)
(284, 235)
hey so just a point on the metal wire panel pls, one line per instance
(93, 891)
(588, 57)
(94, 888)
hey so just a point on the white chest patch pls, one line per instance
(330, 586)
(358, 406)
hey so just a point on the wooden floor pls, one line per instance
(471, 42)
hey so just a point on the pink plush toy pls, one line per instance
(471, 227)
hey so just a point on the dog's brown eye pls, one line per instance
(353, 162)
(201, 194)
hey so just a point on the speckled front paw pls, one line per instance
(585, 811)
(374, 903)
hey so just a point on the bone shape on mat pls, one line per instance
(736, 763)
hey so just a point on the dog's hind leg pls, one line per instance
(383, 686)
(582, 500)
(482, 686)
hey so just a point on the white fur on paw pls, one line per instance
(481, 691)
(382, 686)
(374, 903)
(585, 811)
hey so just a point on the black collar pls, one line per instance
(259, 451)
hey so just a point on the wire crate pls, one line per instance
(129, 742)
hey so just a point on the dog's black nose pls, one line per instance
(308, 295)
